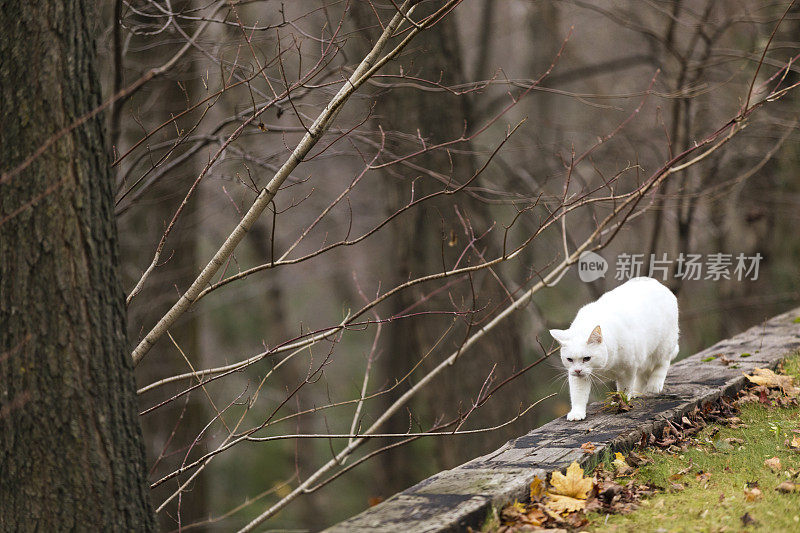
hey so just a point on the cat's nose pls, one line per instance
(577, 371)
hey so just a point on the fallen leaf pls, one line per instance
(620, 465)
(552, 514)
(588, 447)
(592, 504)
(565, 504)
(795, 443)
(573, 484)
(768, 378)
(788, 486)
(513, 512)
(753, 495)
(773, 464)
(676, 487)
(702, 476)
(534, 517)
(610, 490)
(635, 459)
(576, 520)
(537, 489)
(748, 520)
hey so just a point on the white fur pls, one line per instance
(639, 328)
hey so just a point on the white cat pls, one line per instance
(629, 335)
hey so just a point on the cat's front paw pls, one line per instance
(576, 415)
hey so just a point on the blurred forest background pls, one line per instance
(507, 123)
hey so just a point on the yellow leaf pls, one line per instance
(537, 488)
(619, 461)
(788, 486)
(281, 489)
(517, 506)
(565, 504)
(768, 378)
(752, 495)
(773, 464)
(795, 444)
(588, 447)
(573, 484)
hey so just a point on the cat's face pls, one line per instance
(580, 356)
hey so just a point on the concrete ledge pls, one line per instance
(455, 499)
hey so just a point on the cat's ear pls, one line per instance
(596, 337)
(560, 335)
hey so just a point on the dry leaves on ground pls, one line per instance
(773, 464)
(563, 503)
(568, 497)
(558, 504)
(788, 486)
(748, 520)
(573, 484)
(768, 378)
(752, 494)
(621, 467)
(618, 402)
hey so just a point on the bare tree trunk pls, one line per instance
(71, 452)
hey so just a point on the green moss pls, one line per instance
(605, 458)
(718, 503)
(492, 520)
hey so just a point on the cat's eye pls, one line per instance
(569, 359)
(586, 359)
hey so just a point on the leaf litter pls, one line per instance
(564, 502)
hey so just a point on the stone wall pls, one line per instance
(457, 498)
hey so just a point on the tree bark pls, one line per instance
(71, 452)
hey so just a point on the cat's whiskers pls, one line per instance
(562, 377)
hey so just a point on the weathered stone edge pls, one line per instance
(454, 499)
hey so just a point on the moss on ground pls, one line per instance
(717, 502)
